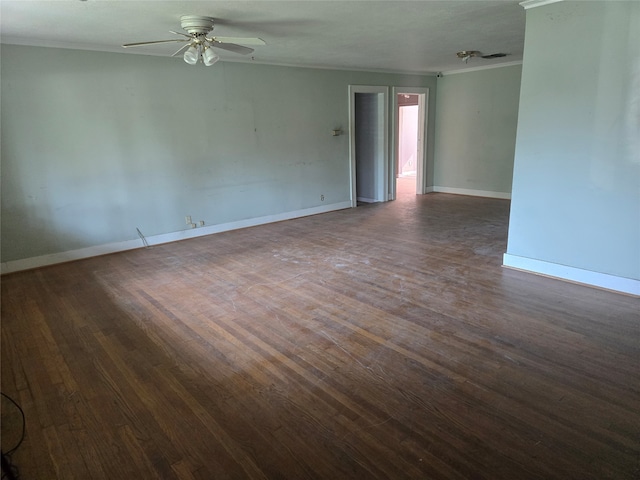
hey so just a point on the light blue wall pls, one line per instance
(576, 183)
(95, 145)
(475, 131)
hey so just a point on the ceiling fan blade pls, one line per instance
(138, 44)
(182, 48)
(180, 33)
(243, 41)
(495, 55)
(232, 47)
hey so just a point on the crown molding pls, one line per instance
(100, 48)
(527, 4)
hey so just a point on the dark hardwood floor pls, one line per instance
(383, 342)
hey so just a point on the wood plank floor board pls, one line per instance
(237, 396)
(352, 346)
(379, 342)
(569, 338)
(196, 302)
(466, 343)
(155, 393)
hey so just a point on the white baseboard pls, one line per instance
(69, 256)
(366, 200)
(473, 193)
(587, 277)
(429, 190)
(94, 251)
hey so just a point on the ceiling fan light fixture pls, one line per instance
(191, 55)
(209, 57)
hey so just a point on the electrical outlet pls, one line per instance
(193, 225)
(202, 223)
(187, 219)
(322, 198)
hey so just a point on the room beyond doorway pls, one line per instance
(409, 159)
(408, 120)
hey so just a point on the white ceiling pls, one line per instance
(402, 36)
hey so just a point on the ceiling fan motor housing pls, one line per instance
(197, 25)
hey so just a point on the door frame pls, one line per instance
(423, 115)
(382, 164)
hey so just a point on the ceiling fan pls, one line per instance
(198, 46)
(465, 55)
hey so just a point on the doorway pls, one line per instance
(369, 144)
(409, 153)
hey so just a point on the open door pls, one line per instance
(369, 143)
(409, 126)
